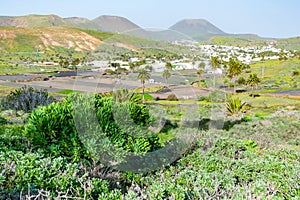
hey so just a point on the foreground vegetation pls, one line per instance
(45, 154)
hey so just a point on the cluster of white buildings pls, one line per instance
(246, 55)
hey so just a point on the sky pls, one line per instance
(267, 18)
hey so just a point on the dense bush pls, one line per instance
(231, 169)
(214, 97)
(172, 97)
(3, 121)
(26, 99)
(32, 172)
(126, 125)
(12, 138)
(54, 128)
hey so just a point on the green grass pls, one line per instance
(97, 34)
(289, 43)
(276, 74)
(275, 68)
(146, 96)
(11, 69)
(5, 90)
(266, 105)
(231, 41)
(67, 92)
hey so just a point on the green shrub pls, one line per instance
(230, 169)
(52, 128)
(12, 138)
(26, 99)
(295, 73)
(246, 119)
(235, 106)
(217, 96)
(125, 124)
(241, 81)
(31, 172)
(68, 129)
(2, 121)
(172, 97)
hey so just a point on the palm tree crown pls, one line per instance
(252, 81)
(166, 74)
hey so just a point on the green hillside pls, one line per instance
(233, 41)
(289, 43)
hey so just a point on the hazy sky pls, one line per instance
(269, 18)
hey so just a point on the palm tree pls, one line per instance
(235, 69)
(201, 65)
(200, 73)
(252, 81)
(214, 63)
(132, 67)
(169, 66)
(143, 75)
(166, 75)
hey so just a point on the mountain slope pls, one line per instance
(32, 21)
(56, 38)
(197, 28)
(289, 43)
(79, 22)
(108, 23)
(46, 38)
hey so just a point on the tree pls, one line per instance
(166, 75)
(143, 76)
(252, 81)
(75, 62)
(200, 73)
(241, 81)
(201, 65)
(214, 63)
(169, 66)
(235, 69)
(132, 66)
(149, 67)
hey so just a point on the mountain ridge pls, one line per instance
(194, 29)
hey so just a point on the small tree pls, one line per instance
(169, 66)
(166, 75)
(235, 69)
(132, 66)
(241, 81)
(201, 65)
(252, 81)
(200, 73)
(143, 76)
(215, 64)
(149, 67)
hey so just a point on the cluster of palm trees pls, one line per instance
(144, 75)
(233, 69)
